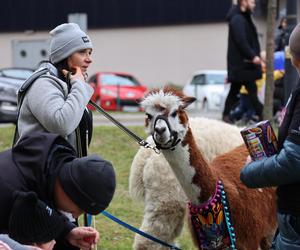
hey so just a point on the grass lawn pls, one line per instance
(114, 145)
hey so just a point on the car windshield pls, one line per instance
(17, 73)
(215, 79)
(122, 80)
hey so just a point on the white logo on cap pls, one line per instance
(49, 210)
(85, 39)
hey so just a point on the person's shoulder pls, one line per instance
(237, 18)
(51, 78)
(46, 78)
(278, 32)
(48, 82)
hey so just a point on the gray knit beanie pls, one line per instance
(294, 42)
(66, 39)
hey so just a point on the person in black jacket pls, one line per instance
(283, 169)
(34, 223)
(281, 35)
(243, 61)
(47, 164)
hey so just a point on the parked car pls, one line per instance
(117, 91)
(209, 87)
(11, 80)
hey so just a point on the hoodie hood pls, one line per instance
(31, 156)
(234, 10)
(32, 151)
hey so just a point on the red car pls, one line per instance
(115, 91)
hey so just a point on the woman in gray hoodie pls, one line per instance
(56, 101)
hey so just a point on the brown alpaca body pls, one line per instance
(253, 211)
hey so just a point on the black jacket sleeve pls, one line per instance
(295, 121)
(237, 26)
(68, 226)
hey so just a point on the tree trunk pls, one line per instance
(269, 85)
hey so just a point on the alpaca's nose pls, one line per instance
(160, 130)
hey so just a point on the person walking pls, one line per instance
(282, 170)
(56, 101)
(243, 61)
(47, 164)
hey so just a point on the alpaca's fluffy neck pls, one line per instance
(191, 169)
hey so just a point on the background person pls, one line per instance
(32, 222)
(243, 61)
(245, 110)
(281, 35)
(47, 164)
(282, 170)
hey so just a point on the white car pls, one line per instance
(210, 89)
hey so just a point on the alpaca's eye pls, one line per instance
(174, 113)
(149, 116)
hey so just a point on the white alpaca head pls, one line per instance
(166, 118)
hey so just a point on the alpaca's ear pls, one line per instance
(187, 100)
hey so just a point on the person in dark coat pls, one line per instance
(47, 164)
(281, 35)
(243, 61)
(283, 169)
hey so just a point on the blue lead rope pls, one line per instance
(148, 236)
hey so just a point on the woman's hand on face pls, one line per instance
(78, 75)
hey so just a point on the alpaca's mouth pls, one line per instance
(162, 140)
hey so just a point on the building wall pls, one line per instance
(156, 55)
(17, 15)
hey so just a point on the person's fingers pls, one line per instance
(84, 244)
(65, 72)
(77, 70)
(248, 160)
(91, 235)
(91, 229)
(97, 236)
